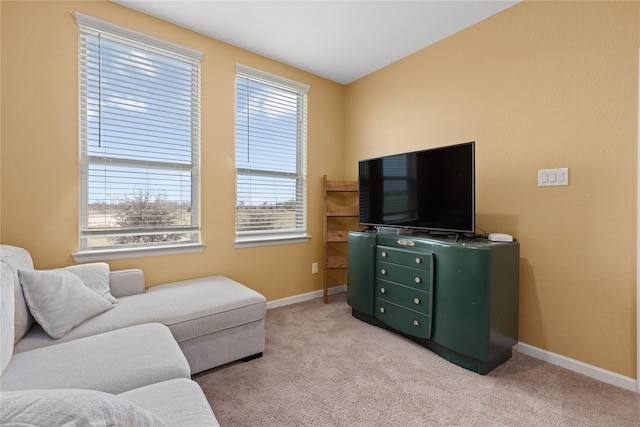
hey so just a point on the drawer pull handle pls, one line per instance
(416, 300)
(403, 242)
(381, 309)
(416, 323)
(418, 280)
(384, 254)
(383, 290)
(383, 271)
(418, 260)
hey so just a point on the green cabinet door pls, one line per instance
(475, 307)
(461, 304)
(360, 275)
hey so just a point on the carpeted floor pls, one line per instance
(322, 367)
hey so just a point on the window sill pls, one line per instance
(249, 242)
(121, 253)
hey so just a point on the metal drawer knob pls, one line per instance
(383, 290)
(418, 260)
(384, 254)
(416, 323)
(416, 300)
(417, 279)
(383, 271)
(381, 309)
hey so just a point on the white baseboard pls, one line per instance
(577, 366)
(304, 297)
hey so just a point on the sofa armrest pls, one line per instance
(126, 282)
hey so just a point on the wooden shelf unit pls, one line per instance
(337, 204)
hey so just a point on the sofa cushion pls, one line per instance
(95, 276)
(7, 302)
(178, 402)
(69, 407)
(191, 309)
(18, 259)
(126, 282)
(59, 300)
(146, 354)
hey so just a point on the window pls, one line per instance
(270, 159)
(139, 141)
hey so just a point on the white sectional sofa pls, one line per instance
(87, 336)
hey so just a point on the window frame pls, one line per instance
(276, 237)
(88, 27)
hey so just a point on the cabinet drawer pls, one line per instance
(403, 320)
(418, 279)
(404, 296)
(414, 259)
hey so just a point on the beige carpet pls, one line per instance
(322, 367)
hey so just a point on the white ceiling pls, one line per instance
(339, 40)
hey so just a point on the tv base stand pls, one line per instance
(458, 299)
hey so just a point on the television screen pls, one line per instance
(432, 189)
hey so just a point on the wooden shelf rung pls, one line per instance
(337, 262)
(337, 236)
(346, 186)
(337, 210)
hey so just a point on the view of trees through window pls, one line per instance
(143, 207)
(267, 216)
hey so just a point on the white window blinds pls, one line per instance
(139, 139)
(270, 155)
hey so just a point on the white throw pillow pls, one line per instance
(58, 300)
(7, 316)
(95, 276)
(71, 407)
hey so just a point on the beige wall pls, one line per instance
(40, 149)
(541, 85)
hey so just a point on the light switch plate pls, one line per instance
(553, 177)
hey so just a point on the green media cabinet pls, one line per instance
(458, 298)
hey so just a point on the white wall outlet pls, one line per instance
(314, 268)
(553, 177)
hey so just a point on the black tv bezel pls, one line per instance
(443, 230)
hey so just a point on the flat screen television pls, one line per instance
(428, 190)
